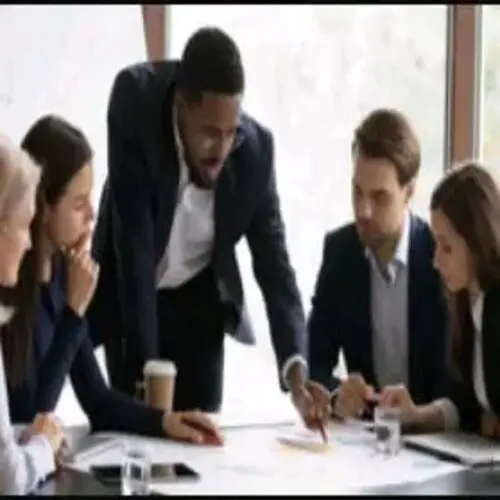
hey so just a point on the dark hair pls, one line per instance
(61, 150)
(211, 62)
(470, 200)
(387, 134)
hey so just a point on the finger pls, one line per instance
(387, 394)
(58, 421)
(183, 432)
(349, 407)
(354, 401)
(388, 398)
(317, 390)
(356, 380)
(82, 242)
(345, 411)
(320, 395)
(356, 389)
(199, 420)
(369, 393)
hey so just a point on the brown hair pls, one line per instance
(469, 198)
(387, 134)
(62, 151)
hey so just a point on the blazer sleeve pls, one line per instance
(132, 223)
(22, 467)
(68, 335)
(106, 408)
(469, 411)
(437, 374)
(324, 325)
(274, 273)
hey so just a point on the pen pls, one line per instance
(322, 431)
(316, 422)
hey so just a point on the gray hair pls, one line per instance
(19, 177)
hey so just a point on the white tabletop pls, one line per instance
(254, 461)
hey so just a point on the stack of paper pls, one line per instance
(469, 449)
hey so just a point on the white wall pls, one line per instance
(62, 59)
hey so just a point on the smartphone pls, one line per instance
(160, 473)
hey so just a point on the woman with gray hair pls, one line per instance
(22, 466)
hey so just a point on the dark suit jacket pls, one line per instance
(462, 388)
(136, 212)
(341, 314)
(62, 347)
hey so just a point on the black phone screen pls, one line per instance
(159, 472)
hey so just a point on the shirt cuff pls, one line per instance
(40, 459)
(450, 414)
(296, 358)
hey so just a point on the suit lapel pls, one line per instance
(491, 347)
(224, 203)
(415, 275)
(167, 178)
(362, 284)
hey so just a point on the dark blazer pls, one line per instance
(462, 388)
(62, 347)
(341, 313)
(136, 213)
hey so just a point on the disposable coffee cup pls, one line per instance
(159, 384)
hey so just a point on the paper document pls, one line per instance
(306, 441)
(469, 449)
(256, 461)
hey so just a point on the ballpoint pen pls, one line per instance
(322, 431)
(318, 424)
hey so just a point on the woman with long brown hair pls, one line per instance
(62, 274)
(465, 219)
(22, 466)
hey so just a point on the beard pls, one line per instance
(376, 240)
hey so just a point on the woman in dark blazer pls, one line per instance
(465, 219)
(63, 275)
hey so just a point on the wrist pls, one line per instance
(165, 422)
(416, 416)
(295, 378)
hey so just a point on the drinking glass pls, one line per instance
(136, 470)
(387, 422)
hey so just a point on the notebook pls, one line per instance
(469, 449)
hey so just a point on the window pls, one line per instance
(312, 73)
(63, 59)
(490, 88)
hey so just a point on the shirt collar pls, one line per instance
(179, 147)
(401, 253)
(402, 250)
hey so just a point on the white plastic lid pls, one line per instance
(160, 368)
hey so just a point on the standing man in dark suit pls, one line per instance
(378, 297)
(189, 175)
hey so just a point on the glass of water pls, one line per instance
(136, 470)
(387, 422)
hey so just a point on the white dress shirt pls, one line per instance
(450, 411)
(189, 248)
(22, 467)
(190, 245)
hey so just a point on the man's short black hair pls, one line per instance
(211, 62)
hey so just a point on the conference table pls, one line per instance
(254, 462)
